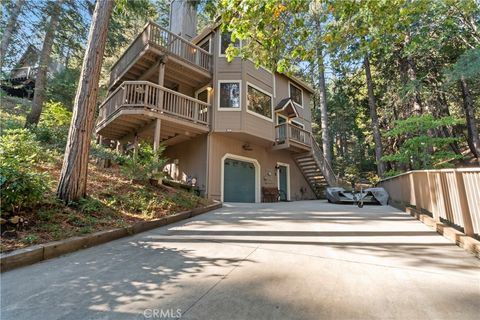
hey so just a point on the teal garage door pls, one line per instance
(239, 181)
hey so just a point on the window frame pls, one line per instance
(209, 38)
(262, 91)
(299, 124)
(219, 83)
(290, 83)
(204, 88)
(220, 54)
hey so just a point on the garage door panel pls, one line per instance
(239, 181)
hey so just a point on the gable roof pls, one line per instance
(287, 108)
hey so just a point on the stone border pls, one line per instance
(37, 253)
(460, 239)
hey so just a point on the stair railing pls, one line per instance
(327, 170)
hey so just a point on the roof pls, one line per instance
(287, 107)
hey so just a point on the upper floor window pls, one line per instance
(205, 45)
(259, 102)
(225, 40)
(296, 94)
(229, 95)
(203, 95)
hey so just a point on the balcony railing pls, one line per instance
(166, 41)
(144, 94)
(286, 132)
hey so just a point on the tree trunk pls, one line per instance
(41, 80)
(473, 139)
(377, 138)
(73, 179)
(7, 33)
(327, 151)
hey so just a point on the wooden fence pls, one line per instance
(449, 194)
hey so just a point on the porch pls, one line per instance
(290, 136)
(141, 110)
(184, 62)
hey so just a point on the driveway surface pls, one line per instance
(297, 260)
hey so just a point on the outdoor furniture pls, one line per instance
(270, 194)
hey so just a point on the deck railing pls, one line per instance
(327, 170)
(449, 194)
(166, 41)
(144, 94)
(286, 132)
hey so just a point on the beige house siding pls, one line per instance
(221, 144)
(192, 160)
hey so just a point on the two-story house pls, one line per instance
(236, 129)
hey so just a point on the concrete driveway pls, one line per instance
(297, 260)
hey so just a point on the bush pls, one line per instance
(101, 152)
(21, 185)
(54, 114)
(146, 165)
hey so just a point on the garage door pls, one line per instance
(239, 181)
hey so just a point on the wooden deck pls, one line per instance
(185, 61)
(135, 105)
(288, 136)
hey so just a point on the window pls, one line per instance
(296, 94)
(205, 45)
(298, 124)
(259, 102)
(229, 95)
(225, 40)
(202, 95)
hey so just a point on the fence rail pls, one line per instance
(144, 94)
(449, 194)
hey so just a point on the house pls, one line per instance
(20, 81)
(239, 131)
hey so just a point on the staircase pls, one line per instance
(316, 170)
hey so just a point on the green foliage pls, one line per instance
(104, 153)
(52, 130)
(21, 186)
(62, 88)
(421, 150)
(55, 114)
(148, 164)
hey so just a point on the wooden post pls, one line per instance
(135, 146)
(119, 147)
(156, 136)
(462, 198)
(161, 74)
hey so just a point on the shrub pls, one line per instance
(54, 114)
(148, 164)
(21, 185)
(101, 152)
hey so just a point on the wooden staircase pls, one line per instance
(316, 170)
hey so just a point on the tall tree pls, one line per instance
(7, 33)
(73, 179)
(473, 138)
(54, 10)
(374, 118)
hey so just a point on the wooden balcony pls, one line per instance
(185, 61)
(134, 107)
(289, 136)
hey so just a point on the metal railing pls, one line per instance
(449, 194)
(166, 41)
(144, 94)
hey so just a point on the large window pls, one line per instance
(259, 102)
(225, 40)
(229, 95)
(296, 94)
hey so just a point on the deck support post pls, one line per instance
(119, 147)
(156, 136)
(135, 146)
(161, 74)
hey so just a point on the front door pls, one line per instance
(282, 183)
(282, 129)
(239, 181)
